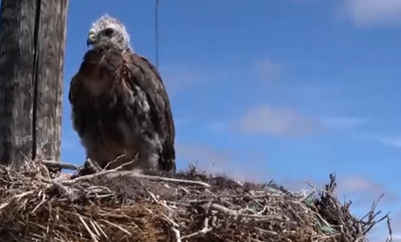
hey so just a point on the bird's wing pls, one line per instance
(77, 95)
(145, 75)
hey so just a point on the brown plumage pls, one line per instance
(120, 105)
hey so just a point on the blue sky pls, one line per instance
(286, 90)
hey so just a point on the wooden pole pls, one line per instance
(32, 43)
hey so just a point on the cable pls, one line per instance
(35, 77)
(157, 32)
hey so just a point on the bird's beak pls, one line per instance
(91, 39)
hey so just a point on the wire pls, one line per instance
(35, 76)
(157, 32)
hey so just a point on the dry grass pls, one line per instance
(120, 206)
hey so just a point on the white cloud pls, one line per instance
(362, 190)
(216, 160)
(183, 121)
(269, 71)
(391, 141)
(342, 122)
(178, 77)
(366, 13)
(206, 155)
(69, 139)
(373, 12)
(279, 121)
(67, 145)
(354, 184)
(217, 126)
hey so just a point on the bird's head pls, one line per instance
(108, 31)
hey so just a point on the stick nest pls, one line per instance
(193, 206)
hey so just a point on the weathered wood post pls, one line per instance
(32, 43)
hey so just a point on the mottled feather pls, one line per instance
(120, 106)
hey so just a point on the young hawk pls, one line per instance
(120, 107)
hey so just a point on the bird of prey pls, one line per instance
(120, 106)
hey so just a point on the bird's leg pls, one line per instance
(89, 167)
(158, 173)
(147, 160)
(148, 165)
(92, 166)
(148, 155)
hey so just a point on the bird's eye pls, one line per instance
(108, 32)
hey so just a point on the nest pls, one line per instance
(116, 205)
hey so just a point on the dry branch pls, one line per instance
(115, 205)
(60, 165)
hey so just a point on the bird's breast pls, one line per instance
(98, 85)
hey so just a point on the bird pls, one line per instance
(120, 107)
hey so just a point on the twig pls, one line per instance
(206, 229)
(177, 234)
(159, 178)
(390, 230)
(236, 217)
(87, 177)
(174, 227)
(303, 199)
(61, 165)
(118, 172)
(63, 190)
(93, 236)
(117, 158)
(157, 200)
(201, 232)
(227, 212)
